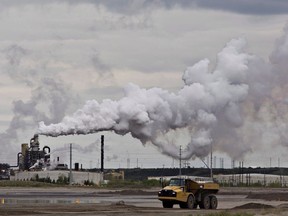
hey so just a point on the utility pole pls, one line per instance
(70, 174)
(242, 171)
(270, 162)
(102, 154)
(211, 169)
(180, 154)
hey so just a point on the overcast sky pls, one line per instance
(55, 55)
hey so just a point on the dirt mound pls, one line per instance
(254, 206)
(283, 206)
(130, 192)
(137, 192)
(121, 202)
(269, 196)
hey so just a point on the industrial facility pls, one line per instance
(4, 171)
(32, 158)
(34, 163)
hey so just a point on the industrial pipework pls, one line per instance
(32, 158)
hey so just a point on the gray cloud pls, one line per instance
(253, 7)
(14, 53)
(263, 7)
(55, 96)
(50, 96)
(101, 68)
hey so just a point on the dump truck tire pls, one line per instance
(190, 202)
(183, 205)
(205, 202)
(167, 204)
(213, 202)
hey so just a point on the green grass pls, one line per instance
(4, 183)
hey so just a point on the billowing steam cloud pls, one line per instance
(228, 106)
(50, 97)
(26, 114)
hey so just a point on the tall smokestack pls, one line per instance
(102, 153)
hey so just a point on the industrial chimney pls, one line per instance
(102, 153)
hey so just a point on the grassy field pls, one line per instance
(7, 183)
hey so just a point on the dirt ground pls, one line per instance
(99, 209)
(87, 201)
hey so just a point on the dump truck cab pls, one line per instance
(189, 193)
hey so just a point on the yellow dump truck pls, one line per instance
(189, 193)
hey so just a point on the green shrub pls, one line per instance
(62, 180)
(25, 183)
(90, 183)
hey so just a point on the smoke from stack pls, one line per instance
(79, 148)
(236, 106)
(47, 91)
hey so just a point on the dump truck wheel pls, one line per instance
(183, 205)
(213, 202)
(190, 202)
(205, 202)
(167, 204)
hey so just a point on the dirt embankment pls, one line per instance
(269, 196)
(258, 193)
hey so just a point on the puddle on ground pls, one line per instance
(136, 200)
(46, 201)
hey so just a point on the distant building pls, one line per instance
(78, 177)
(4, 171)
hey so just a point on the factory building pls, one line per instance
(33, 163)
(78, 177)
(32, 158)
(4, 171)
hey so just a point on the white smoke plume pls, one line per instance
(227, 106)
(50, 97)
(94, 146)
(111, 158)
